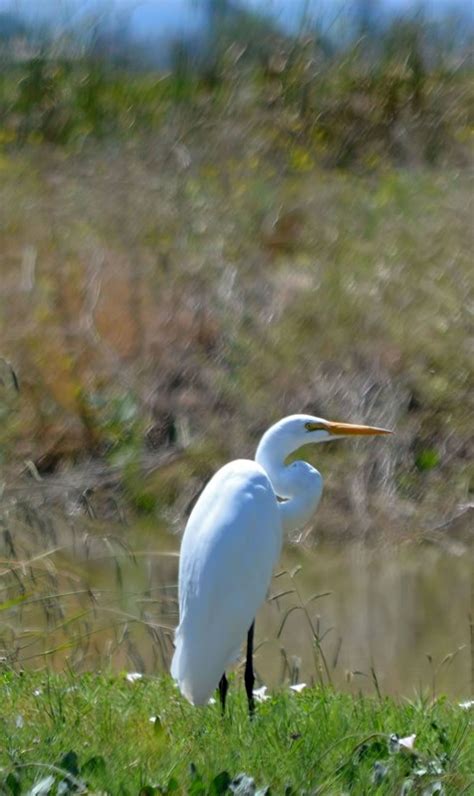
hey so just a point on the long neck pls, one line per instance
(300, 496)
(272, 453)
(298, 510)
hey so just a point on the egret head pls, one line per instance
(285, 438)
(319, 430)
(306, 429)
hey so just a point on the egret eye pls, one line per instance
(314, 426)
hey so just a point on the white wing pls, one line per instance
(230, 545)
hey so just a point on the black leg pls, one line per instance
(249, 676)
(223, 686)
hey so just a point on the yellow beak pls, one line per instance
(351, 428)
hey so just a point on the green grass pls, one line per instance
(97, 727)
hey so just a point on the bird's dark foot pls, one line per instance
(249, 675)
(223, 686)
(249, 684)
(251, 703)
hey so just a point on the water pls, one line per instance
(394, 619)
(390, 611)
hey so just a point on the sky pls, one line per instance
(168, 17)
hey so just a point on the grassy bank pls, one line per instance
(100, 729)
(186, 257)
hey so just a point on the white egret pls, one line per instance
(231, 544)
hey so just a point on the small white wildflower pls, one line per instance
(260, 694)
(132, 677)
(37, 692)
(153, 719)
(467, 705)
(297, 687)
(408, 742)
(212, 701)
(19, 721)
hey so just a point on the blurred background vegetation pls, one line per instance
(271, 222)
(200, 239)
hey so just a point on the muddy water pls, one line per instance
(394, 619)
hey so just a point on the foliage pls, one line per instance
(400, 89)
(174, 298)
(188, 254)
(103, 733)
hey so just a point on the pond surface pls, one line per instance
(393, 619)
(396, 619)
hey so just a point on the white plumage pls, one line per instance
(224, 540)
(232, 542)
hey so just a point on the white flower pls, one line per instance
(19, 721)
(260, 694)
(37, 692)
(132, 677)
(297, 687)
(396, 744)
(408, 742)
(467, 705)
(152, 719)
(212, 701)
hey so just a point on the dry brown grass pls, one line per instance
(158, 293)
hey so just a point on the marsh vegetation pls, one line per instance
(186, 257)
